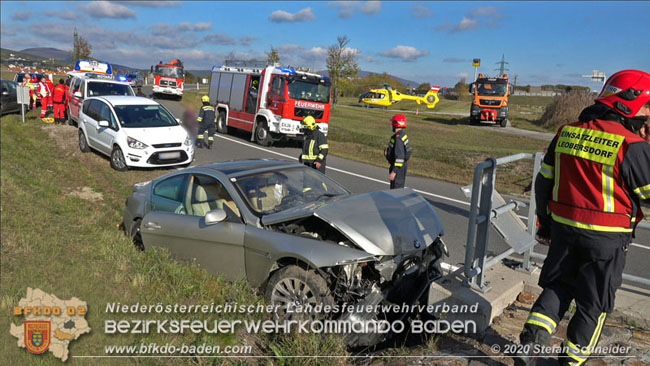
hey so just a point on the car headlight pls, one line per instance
(188, 141)
(135, 144)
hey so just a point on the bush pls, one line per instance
(565, 108)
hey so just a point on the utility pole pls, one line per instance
(502, 70)
(476, 63)
(75, 50)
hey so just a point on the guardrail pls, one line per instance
(520, 237)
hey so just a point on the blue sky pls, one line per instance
(544, 42)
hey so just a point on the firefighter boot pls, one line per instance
(529, 349)
(210, 142)
(199, 143)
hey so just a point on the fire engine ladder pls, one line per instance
(489, 209)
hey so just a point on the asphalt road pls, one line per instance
(448, 200)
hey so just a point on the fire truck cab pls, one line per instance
(168, 79)
(490, 100)
(268, 101)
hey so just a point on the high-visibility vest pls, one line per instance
(588, 191)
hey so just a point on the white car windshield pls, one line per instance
(98, 88)
(132, 116)
(279, 190)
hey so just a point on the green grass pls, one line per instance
(72, 247)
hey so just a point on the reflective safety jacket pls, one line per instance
(206, 114)
(399, 151)
(599, 172)
(314, 148)
(59, 94)
(43, 89)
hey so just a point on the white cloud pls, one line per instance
(247, 40)
(488, 11)
(152, 4)
(464, 25)
(281, 16)
(406, 53)
(454, 60)
(219, 39)
(462, 75)
(65, 14)
(473, 20)
(21, 15)
(421, 11)
(347, 9)
(295, 55)
(165, 28)
(107, 9)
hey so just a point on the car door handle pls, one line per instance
(152, 225)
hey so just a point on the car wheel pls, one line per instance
(262, 134)
(118, 162)
(83, 142)
(136, 237)
(292, 286)
(222, 127)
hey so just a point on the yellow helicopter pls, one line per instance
(386, 97)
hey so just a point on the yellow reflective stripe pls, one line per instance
(579, 360)
(544, 317)
(311, 147)
(324, 146)
(200, 137)
(556, 185)
(596, 336)
(308, 157)
(399, 165)
(581, 225)
(404, 137)
(599, 146)
(306, 189)
(540, 324)
(199, 119)
(392, 140)
(608, 188)
(547, 171)
(321, 156)
(643, 192)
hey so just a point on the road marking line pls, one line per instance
(373, 179)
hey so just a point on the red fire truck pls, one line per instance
(268, 101)
(168, 78)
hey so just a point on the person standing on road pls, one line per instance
(398, 152)
(44, 91)
(59, 97)
(206, 120)
(588, 193)
(314, 146)
(50, 86)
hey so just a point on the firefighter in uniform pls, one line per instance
(588, 193)
(314, 147)
(59, 97)
(398, 152)
(206, 120)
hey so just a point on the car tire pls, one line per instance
(222, 127)
(83, 142)
(262, 134)
(118, 161)
(295, 285)
(135, 235)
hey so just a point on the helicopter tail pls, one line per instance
(431, 98)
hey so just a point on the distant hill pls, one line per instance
(363, 74)
(49, 52)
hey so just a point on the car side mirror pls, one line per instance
(215, 216)
(103, 124)
(77, 94)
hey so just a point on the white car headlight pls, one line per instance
(188, 141)
(135, 144)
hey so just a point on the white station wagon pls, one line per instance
(134, 132)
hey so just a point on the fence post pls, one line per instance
(526, 265)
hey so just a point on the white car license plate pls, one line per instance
(169, 155)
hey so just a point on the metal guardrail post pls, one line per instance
(532, 214)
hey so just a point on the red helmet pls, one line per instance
(398, 121)
(626, 91)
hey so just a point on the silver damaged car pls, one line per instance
(294, 233)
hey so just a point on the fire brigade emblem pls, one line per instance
(37, 335)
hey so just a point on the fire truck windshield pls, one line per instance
(169, 71)
(491, 89)
(309, 91)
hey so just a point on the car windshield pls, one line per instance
(168, 71)
(98, 88)
(309, 91)
(493, 89)
(280, 190)
(134, 116)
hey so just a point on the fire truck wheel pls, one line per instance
(504, 122)
(221, 123)
(473, 121)
(262, 134)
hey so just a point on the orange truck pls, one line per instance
(489, 100)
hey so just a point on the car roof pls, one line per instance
(126, 100)
(241, 167)
(92, 80)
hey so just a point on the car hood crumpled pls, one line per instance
(387, 222)
(158, 135)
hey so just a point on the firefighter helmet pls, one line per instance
(309, 122)
(398, 121)
(626, 91)
(205, 99)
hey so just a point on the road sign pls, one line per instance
(476, 62)
(22, 94)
